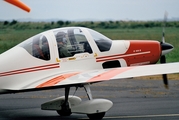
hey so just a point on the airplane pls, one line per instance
(19, 4)
(79, 57)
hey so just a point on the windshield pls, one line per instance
(103, 43)
(71, 41)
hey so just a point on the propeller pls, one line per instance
(164, 76)
(166, 48)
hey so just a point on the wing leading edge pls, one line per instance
(121, 73)
(78, 78)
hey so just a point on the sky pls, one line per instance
(88, 10)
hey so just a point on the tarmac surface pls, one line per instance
(133, 100)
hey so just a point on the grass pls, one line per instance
(159, 77)
(11, 37)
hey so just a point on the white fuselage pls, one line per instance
(20, 70)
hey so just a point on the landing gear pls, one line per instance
(64, 113)
(66, 105)
(96, 116)
(65, 108)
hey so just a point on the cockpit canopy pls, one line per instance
(70, 41)
(37, 46)
(103, 43)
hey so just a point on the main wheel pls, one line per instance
(96, 116)
(65, 110)
(64, 113)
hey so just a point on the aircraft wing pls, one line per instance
(75, 78)
(19, 4)
(93, 76)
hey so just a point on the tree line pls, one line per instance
(14, 24)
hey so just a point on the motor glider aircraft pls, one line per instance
(78, 57)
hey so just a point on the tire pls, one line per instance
(96, 116)
(62, 113)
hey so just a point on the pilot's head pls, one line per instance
(44, 40)
(61, 38)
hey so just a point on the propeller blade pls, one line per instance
(162, 59)
(165, 79)
(166, 48)
(164, 24)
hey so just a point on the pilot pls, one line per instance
(62, 45)
(37, 52)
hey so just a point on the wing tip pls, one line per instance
(19, 4)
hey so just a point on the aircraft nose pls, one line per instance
(166, 48)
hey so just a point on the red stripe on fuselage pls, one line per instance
(31, 69)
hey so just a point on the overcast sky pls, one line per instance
(92, 9)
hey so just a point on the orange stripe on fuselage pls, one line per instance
(56, 80)
(108, 75)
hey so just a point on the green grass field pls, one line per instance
(11, 37)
